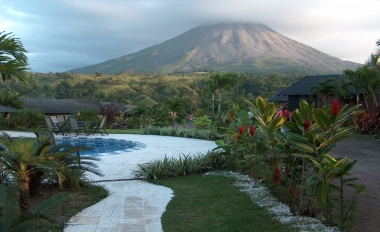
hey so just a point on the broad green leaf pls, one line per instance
(273, 142)
(298, 117)
(220, 143)
(293, 127)
(305, 109)
(359, 188)
(310, 136)
(270, 111)
(260, 103)
(320, 193)
(245, 118)
(275, 124)
(302, 146)
(350, 180)
(341, 135)
(303, 155)
(322, 119)
(349, 166)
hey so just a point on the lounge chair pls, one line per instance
(99, 126)
(74, 125)
(52, 126)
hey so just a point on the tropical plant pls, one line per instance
(323, 89)
(216, 84)
(27, 160)
(297, 160)
(26, 117)
(87, 115)
(353, 78)
(13, 61)
(11, 99)
(112, 113)
(176, 105)
(11, 219)
(202, 122)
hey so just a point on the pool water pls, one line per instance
(97, 146)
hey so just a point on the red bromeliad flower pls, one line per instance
(251, 130)
(306, 125)
(292, 192)
(276, 175)
(241, 129)
(335, 107)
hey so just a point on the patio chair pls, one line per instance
(99, 126)
(52, 126)
(74, 125)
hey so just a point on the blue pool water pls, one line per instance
(97, 146)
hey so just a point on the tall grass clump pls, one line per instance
(179, 132)
(182, 166)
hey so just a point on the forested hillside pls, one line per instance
(144, 89)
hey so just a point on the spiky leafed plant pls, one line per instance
(28, 159)
(13, 61)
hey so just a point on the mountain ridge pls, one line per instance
(226, 47)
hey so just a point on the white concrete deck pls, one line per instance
(132, 205)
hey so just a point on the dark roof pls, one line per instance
(130, 107)
(118, 105)
(303, 86)
(277, 97)
(61, 106)
(6, 109)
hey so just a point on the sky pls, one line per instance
(61, 35)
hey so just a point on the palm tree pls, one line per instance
(175, 105)
(11, 98)
(371, 71)
(352, 78)
(323, 89)
(13, 61)
(26, 160)
(216, 84)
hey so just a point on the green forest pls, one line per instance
(146, 89)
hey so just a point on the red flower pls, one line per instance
(241, 129)
(276, 175)
(292, 192)
(335, 107)
(251, 130)
(306, 125)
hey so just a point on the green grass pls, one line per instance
(213, 203)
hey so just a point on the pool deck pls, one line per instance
(132, 205)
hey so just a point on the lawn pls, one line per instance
(213, 203)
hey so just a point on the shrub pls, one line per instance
(202, 122)
(112, 112)
(87, 115)
(368, 123)
(26, 117)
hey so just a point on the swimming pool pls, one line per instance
(99, 146)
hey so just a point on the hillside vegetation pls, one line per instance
(143, 89)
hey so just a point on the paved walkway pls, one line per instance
(132, 205)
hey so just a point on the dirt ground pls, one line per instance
(367, 153)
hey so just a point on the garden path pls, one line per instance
(367, 169)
